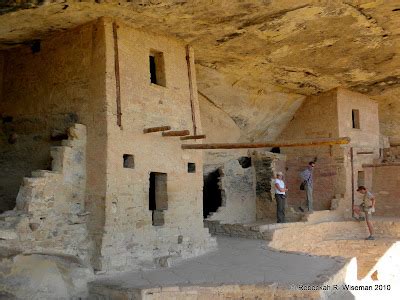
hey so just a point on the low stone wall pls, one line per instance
(272, 291)
(248, 231)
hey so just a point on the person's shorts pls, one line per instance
(368, 210)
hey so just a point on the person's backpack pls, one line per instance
(303, 185)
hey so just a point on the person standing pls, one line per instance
(280, 197)
(307, 177)
(368, 207)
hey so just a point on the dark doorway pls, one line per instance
(355, 116)
(211, 193)
(158, 197)
(153, 73)
(157, 68)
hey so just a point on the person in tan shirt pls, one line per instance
(368, 207)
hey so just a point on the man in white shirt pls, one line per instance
(280, 197)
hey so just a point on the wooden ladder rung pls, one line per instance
(176, 133)
(193, 137)
(156, 129)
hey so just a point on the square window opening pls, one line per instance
(129, 161)
(355, 116)
(157, 68)
(191, 168)
(158, 197)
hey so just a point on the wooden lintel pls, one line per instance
(193, 137)
(302, 143)
(176, 133)
(156, 129)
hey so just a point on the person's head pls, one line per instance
(311, 165)
(279, 175)
(362, 189)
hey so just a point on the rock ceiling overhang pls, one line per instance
(265, 48)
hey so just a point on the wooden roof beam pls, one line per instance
(282, 144)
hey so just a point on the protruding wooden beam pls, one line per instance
(365, 152)
(117, 76)
(193, 137)
(156, 129)
(300, 143)
(176, 133)
(386, 164)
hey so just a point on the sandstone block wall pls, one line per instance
(130, 238)
(237, 184)
(385, 186)
(329, 177)
(213, 195)
(368, 133)
(330, 115)
(76, 76)
(45, 91)
(50, 215)
(266, 165)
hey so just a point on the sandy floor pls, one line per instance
(238, 261)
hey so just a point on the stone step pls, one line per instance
(322, 216)
(67, 143)
(249, 231)
(59, 154)
(43, 173)
(33, 181)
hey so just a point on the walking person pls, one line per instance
(368, 207)
(307, 177)
(280, 197)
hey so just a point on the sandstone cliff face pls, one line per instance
(255, 58)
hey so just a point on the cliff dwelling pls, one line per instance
(199, 149)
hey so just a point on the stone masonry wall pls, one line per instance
(385, 187)
(308, 124)
(329, 177)
(330, 115)
(266, 164)
(50, 216)
(130, 239)
(237, 184)
(44, 92)
(368, 133)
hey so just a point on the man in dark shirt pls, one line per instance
(307, 176)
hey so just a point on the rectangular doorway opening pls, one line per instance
(158, 197)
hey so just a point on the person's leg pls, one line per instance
(357, 210)
(309, 192)
(369, 224)
(279, 204)
(283, 209)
